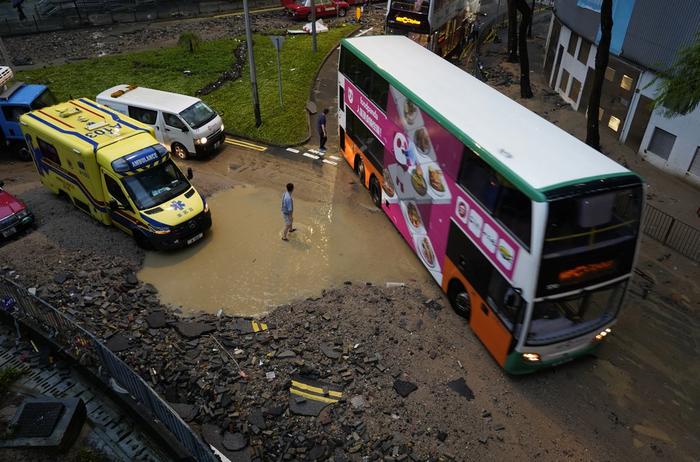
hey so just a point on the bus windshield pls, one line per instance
(156, 185)
(417, 6)
(579, 223)
(566, 317)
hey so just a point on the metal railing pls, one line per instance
(84, 347)
(672, 232)
(50, 16)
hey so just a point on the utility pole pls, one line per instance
(251, 64)
(313, 26)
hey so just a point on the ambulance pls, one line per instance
(112, 168)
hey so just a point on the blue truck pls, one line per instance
(16, 99)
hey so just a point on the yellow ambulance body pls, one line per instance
(112, 168)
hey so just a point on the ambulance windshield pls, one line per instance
(156, 185)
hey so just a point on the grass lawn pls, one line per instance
(164, 69)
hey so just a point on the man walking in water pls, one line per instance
(287, 211)
(322, 132)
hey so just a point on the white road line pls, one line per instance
(334, 157)
(329, 162)
(295, 151)
(310, 156)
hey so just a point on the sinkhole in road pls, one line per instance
(244, 267)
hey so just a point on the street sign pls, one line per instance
(277, 41)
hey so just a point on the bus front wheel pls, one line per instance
(375, 191)
(360, 170)
(459, 299)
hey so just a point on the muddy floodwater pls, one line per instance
(244, 267)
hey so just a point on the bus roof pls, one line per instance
(531, 152)
(148, 98)
(85, 124)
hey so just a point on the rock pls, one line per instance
(156, 319)
(187, 411)
(460, 386)
(234, 441)
(60, 278)
(211, 434)
(316, 453)
(286, 354)
(358, 402)
(256, 418)
(483, 439)
(193, 329)
(274, 411)
(118, 342)
(328, 349)
(131, 279)
(32, 290)
(442, 436)
(404, 388)
(499, 427)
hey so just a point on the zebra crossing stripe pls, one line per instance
(295, 151)
(310, 156)
(329, 162)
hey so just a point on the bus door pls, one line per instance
(489, 294)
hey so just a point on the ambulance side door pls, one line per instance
(121, 210)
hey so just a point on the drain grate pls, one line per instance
(38, 420)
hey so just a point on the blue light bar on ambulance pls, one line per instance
(140, 159)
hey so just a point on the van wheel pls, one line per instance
(342, 12)
(375, 191)
(142, 241)
(459, 299)
(180, 151)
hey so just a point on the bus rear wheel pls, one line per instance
(459, 299)
(375, 191)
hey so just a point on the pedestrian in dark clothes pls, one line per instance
(322, 132)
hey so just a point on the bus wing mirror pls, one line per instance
(190, 174)
(513, 298)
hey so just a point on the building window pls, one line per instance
(661, 143)
(575, 90)
(573, 41)
(695, 164)
(584, 51)
(626, 83)
(614, 123)
(564, 80)
(610, 74)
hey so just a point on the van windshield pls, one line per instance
(156, 185)
(197, 115)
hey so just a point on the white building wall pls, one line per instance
(576, 69)
(685, 128)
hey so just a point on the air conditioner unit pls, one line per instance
(5, 75)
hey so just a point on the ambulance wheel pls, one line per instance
(459, 299)
(180, 151)
(342, 12)
(142, 241)
(24, 155)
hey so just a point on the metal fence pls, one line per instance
(89, 351)
(61, 15)
(672, 232)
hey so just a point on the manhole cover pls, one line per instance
(38, 420)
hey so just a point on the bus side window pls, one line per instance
(479, 180)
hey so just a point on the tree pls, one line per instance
(512, 31)
(601, 64)
(525, 20)
(679, 92)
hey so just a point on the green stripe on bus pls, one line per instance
(510, 175)
(590, 179)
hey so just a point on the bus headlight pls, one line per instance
(603, 334)
(532, 357)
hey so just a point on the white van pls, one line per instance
(183, 124)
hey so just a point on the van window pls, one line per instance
(116, 192)
(143, 115)
(173, 121)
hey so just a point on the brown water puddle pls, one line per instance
(245, 268)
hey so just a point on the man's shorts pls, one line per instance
(287, 219)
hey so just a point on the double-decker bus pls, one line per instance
(530, 233)
(439, 25)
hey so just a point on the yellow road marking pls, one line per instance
(312, 397)
(245, 144)
(257, 327)
(305, 386)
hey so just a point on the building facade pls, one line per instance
(646, 38)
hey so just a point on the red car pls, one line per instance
(301, 9)
(14, 215)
